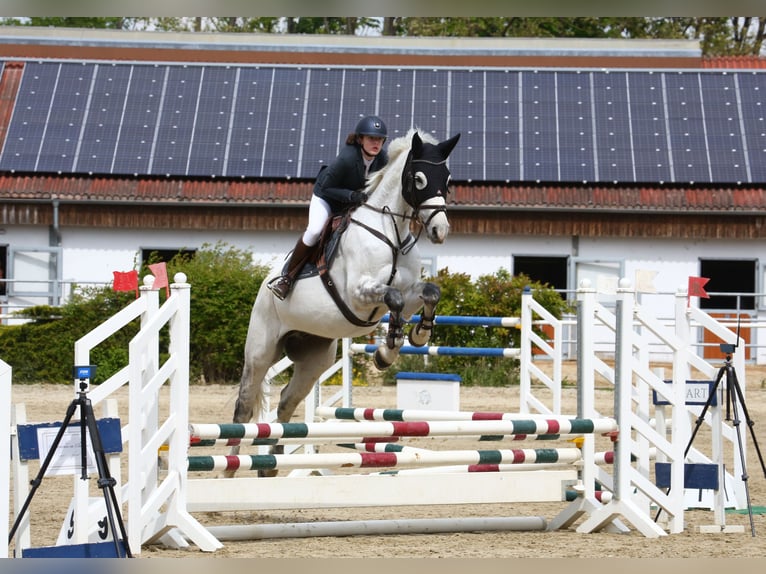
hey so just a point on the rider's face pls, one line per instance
(371, 145)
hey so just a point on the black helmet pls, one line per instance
(371, 126)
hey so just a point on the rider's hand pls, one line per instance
(357, 197)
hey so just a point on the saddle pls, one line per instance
(323, 254)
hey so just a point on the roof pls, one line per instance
(196, 42)
(271, 193)
(333, 49)
(25, 43)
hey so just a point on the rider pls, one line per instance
(338, 187)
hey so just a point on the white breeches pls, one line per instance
(319, 212)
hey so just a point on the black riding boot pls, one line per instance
(282, 285)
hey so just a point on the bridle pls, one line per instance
(404, 244)
(408, 193)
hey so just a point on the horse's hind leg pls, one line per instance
(311, 357)
(421, 333)
(262, 350)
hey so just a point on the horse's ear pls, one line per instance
(416, 149)
(408, 179)
(445, 148)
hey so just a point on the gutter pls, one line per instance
(57, 202)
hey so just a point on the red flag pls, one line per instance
(697, 288)
(160, 272)
(125, 281)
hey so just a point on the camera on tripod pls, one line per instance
(119, 546)
(83, 374)
(727, 348)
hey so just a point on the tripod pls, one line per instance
(105, 481)
(734, 396)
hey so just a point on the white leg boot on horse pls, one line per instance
(282, 285)
(386, 354)
(421, 333)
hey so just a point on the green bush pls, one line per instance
(496, 295)
(42, 350)
(224, 284)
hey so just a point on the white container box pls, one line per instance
(428, 391)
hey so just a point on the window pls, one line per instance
(3, 269)
(728, 276)
(160, 255)
(550, 270)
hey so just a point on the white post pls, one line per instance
(5, 454)
(680, 431)
(525, 344)
(623, 504)
(586, 503)
(347, 373)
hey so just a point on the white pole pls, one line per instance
(376, 527)
(5, 455)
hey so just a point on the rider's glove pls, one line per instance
(357, 197)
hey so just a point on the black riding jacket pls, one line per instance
(336, 182)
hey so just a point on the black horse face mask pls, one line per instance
(426, 174)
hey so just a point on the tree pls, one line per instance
(718, 36)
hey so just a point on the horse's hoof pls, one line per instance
(380, 363)
(419, 337)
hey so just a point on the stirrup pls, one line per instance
(280, 286)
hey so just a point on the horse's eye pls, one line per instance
(420, 180)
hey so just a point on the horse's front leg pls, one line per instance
(421, 333)
(386, 354)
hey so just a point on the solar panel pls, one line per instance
(212, 122)
(30, 115)
(540, 151)
(180, 101)
(103, 120)
(430, 101)
(649, 131)
(139, 120)
(396, 100)
(66, 116)
(752, 98)
(323, 120)
(502, 139)
(548, 125)
(577, 159)
(723, 130)
(465, 114)
(286, 115)
(360, 98)
(250, 116)
(686, 126)
(614, 149)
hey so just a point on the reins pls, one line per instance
(402, 246)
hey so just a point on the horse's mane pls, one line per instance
(397, 156)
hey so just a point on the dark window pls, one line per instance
(3, 269)
(728, 276)
(160, 255)
(550, 270)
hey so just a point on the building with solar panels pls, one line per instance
(595, 159)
